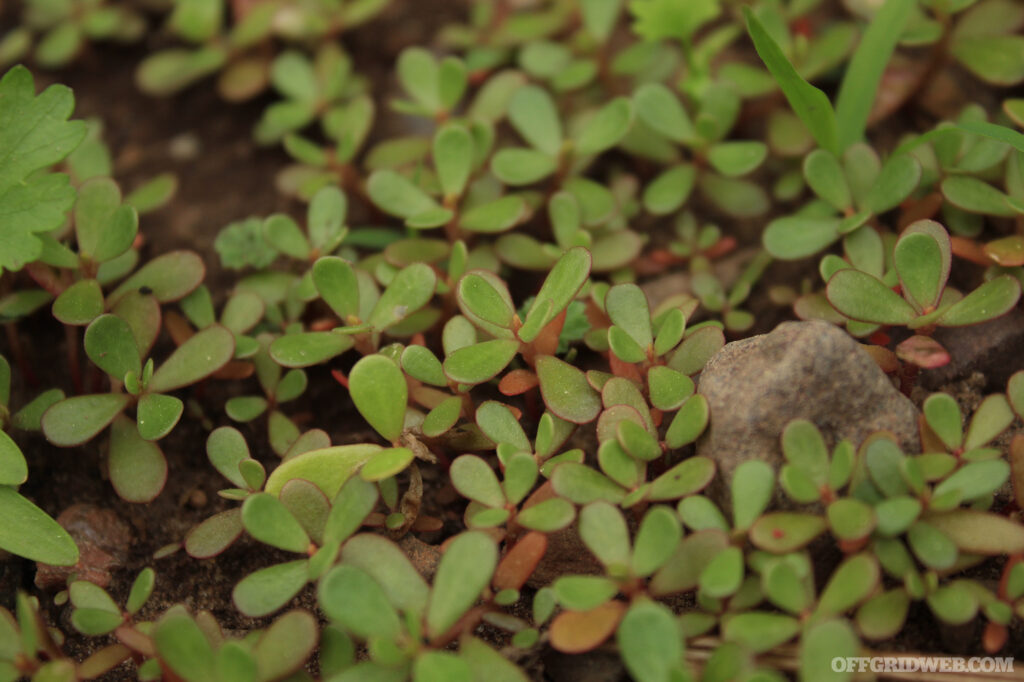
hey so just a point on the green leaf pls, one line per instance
(380, 394)
(626, 305)
(794, 237)
(900, 176)
(418, 74)
(896, 514)
(566, 392)
(357, 602)
(184, 647)
(991, 418)
(533, 114)
(860, 296)
(723, 575)
(497, 422)
(464, 571)
(668, 192)
(326, 218)
(411, 289)
(142, 589)
(997, 59)
(752, 487)
(284, 234)
(864, 72)
(453, 158)
(474, 479)
(246, 408)
(35, 134)
(13, 468)
(738, 157)
(808, 102)
(349, 509)
(86, 595)
(599, 17)
(821, 645)
(440, 666)
(804, 448)
(931, 546)
(780, 532)
(389, 566)
(103, 226)
(650, 641)
(851, 583)
(169, 277)
(286, 645)
(386, 463)
(606, 128)
(992, 299)
(689, 422)
(659, 19)
(668, 388)
(660, 109)
(975, 196)
(76, 420)
(760, 631)
(689, 476)
(851, 519)
(306, 349)
(943, 415)
(494, 216)
(954, 604)
(487, 664)
(80, 303)
(154, 193)
(980, 532)
(157, 415)
(584, 592)
(270, 522)
(603, 530)
(28, 532)
(95, 622)
(328, 468)
(784, 587)
(486, 302)
(883, 616)
(480, 362)
(241, 244)
(137, 468)
(214, 535)
(547, 516)
(975, 479)
(202, 355)
(110, 344)
(395, 194)
(517, 166)
(826, 177)
(583, 485)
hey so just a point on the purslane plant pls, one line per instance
(562, 407)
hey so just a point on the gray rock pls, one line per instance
(995, 349)
(801, 370)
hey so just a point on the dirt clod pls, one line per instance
(802, 370)
(103, 540)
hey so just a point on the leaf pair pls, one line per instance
(921, 259)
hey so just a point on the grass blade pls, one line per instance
(808, 102)
(860, 84)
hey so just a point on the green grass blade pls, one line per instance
(808, 102)
(860, 84)
(996, 132)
